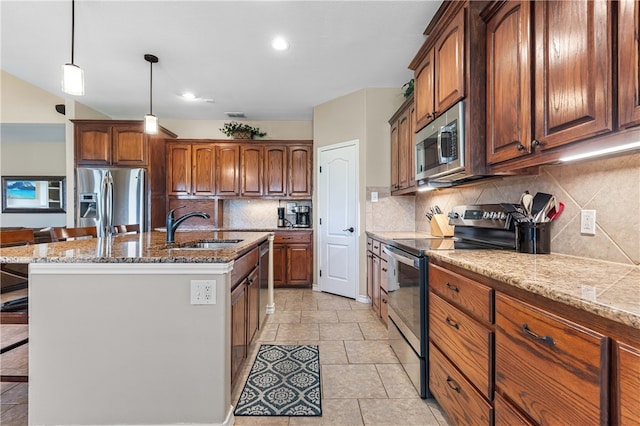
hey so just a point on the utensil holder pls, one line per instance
(440, 226)
(533, 237)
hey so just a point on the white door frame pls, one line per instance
(359, 230)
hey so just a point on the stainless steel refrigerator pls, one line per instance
(109, 196)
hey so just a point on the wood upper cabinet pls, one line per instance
(299, 162)
(110, 143)
(573, 71)
(251, 170)
(440, 75)
(509, 123)
(403, 175)
(628, 362)
(190, 169)
(554, 370)
(628, 63)
(287, 171)
(227, 173)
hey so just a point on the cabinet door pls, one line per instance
(449, 65)
(178, 169)
(227, 177)
(424, 91)
(375, 300)
(129, 145)
(628, 63)
(251, 171)
(395, 150)
(238, 330)
(572, 71)
(628, 384)
(253, 304)
(403, 150)
(275, 170)
(279, 264)
(509, 83)
(203, 169)
(554, 370)
(93, 144)
(299, 264)
(299, 159)
(370, 276)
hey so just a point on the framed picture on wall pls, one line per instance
(33, 194)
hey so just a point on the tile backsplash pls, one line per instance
(256, 214)
(609, 186)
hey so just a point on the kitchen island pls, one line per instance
(114, 337)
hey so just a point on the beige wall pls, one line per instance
(25, 103)
(361, 116)
(210, 129)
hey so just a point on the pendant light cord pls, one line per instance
(151, 89)
(73, 26)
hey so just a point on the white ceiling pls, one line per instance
(219, 50)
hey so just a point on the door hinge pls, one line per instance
(320, 272)
(320, 169)
(320, 221)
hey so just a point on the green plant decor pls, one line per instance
(409, 88)
(241, 131)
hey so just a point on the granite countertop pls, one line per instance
(209, 228)
(610, 290)
(147, 247)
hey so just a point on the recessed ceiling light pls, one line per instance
(188, 95)
(279, 43)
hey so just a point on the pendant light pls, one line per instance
(150, 120)
(72, 75)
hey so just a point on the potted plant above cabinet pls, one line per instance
(241, 131)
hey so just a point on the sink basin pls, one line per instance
(209, 245)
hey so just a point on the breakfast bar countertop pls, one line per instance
(607, 289)
(146, 247)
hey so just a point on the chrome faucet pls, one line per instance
(172, 224)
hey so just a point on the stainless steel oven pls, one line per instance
(407, 289)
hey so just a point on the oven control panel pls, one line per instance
(481, 216)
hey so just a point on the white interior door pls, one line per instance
(338, 202)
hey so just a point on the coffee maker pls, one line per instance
(282, 220)
(303, 219)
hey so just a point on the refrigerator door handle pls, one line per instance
(102, 217)
(109, 217)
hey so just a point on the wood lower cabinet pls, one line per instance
(253, 304)
(628, 385)
(507, 415)
(377, 279)
(293, 259)
(238, 329)
(553, 370)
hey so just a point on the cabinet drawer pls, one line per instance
(457, 397)
(463, 340)
(506, 415)
(292, 237)
(553, 369)
(376, 248)
(244, 265)
(462, 291)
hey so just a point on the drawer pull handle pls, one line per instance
(452, 288)
(451, 323)
(544, 339)
(452, 384)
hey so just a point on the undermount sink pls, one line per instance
(209, 245)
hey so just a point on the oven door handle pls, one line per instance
(407, 259)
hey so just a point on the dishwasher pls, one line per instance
(263, 278)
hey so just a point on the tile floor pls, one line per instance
(362, 381)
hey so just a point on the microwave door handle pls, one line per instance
(443, 130)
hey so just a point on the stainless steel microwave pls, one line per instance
(440, 146)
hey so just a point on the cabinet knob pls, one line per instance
(521, 147)
(434, 113)
(536, 142)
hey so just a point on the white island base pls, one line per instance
(121, 344)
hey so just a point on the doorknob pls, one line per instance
(350, 229)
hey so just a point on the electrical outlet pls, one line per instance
(588, 222)
(374, 196)
(203, 292)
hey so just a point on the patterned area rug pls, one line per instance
(284, 381)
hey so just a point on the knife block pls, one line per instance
(440, 226)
